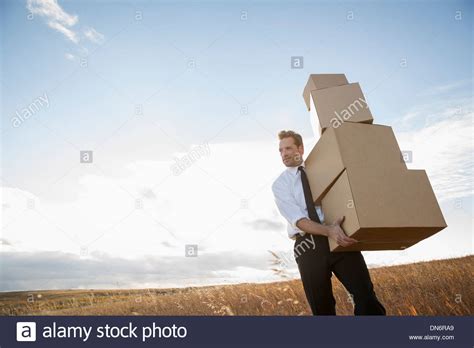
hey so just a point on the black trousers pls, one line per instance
(316, 265)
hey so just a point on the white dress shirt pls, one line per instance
(289, 198)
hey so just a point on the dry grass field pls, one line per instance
(441, 287)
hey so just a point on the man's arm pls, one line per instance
(287, 206)
(298, 219)
(333, 231)
(312, 227)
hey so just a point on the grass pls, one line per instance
(440, 287)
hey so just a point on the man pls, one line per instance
(311, 249)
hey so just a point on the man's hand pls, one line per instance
(336, 233)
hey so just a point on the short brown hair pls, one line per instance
(290, 134)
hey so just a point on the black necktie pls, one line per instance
(308, 197)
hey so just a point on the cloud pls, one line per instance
(59, 270)
(71, 35)
(56, 17)
(439, 134)
(64, 23)
(51, 10)
(93, 35)
(227, 211)
(148, 193)
(266, 224)
(435, 110)
(202, 205)
(4, 241)
(69, 56)
(445, 88)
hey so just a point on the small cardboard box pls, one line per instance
(349, 145)
(384, 209)
(320, 81)
(336, 105)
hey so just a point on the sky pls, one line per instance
(180, 104)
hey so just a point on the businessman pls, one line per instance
(311, 249)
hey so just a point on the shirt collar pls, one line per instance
(294, 170)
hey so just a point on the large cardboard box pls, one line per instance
(384, 209)
(350, 145)
(335, 105)
(320, 81)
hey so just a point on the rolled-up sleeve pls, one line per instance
(287, 206)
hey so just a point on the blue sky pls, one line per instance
(192, 68)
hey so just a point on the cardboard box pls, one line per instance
(336, 105)
(320, 81)
(384, 209)
(350, 145)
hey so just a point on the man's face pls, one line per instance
(291, 155)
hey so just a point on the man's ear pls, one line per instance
(301, 149)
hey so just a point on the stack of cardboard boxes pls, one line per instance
(356, 170)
